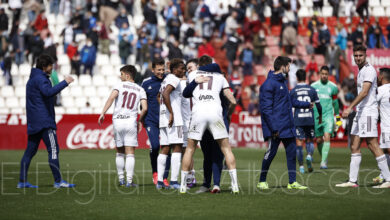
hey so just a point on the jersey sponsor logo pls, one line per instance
(150, 87)
(79, 137)
(122, 117)
(281, 87)
(206, 97)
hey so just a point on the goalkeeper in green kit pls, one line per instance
(327, 92)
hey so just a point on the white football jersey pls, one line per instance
(367, 74)
(206, 98)
(128, 100)
(384, 106)
(176, 99)
(185, 105)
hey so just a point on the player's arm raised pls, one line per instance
(232, 101)
(144, 109)
(358, 99)
(108, 104)
(167, 101)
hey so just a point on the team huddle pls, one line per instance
(181, 121)
(182, 104)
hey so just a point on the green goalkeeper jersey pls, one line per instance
(326, 93)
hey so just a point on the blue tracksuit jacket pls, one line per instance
(275, 107)
(40, 101)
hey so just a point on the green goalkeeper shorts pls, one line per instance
(326, 126)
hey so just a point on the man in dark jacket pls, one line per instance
(278, 122)
(41, 123)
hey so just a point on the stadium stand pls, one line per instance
(95, 87)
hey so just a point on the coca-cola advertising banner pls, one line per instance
(83, 132)
(73, 132)
(377, 57)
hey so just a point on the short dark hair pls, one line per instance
(281, 61)
(301, 75)
(175, 63)
(129, 69)
(158, 62)
(205, 60)
(44, 60)
(192, 61)
(326, 68)
(385, 71)
(359, 47)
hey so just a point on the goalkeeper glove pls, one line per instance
(338, 121)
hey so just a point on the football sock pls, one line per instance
(233, 177)
(300, 155)
(120, 165)
(130, 161)
(310, 148)
(161, 162)
(325, 151)
(354, 167)
(184, 175)
(319, 146)
(384, 168)
(175, 164)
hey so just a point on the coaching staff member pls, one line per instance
(277, 121)
(41, 124)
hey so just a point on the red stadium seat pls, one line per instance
(355, 20)
(331, 21)
(303, 30)
(332, 30)
(275, 30)
(261, 79)
(306, 20)
(248, 80)
(321, 19)
(268, 21)
(343, 20)
(372, 19)
(383, 21)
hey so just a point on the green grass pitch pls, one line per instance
(96, 195)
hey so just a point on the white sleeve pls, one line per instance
(369, 75)
(142, 94)
(117, 87)
(225, 83)
(173, 81)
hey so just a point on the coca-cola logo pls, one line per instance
(79, 137)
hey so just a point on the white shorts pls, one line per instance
(172, 135)
(384, 141)
(365, 124)
(125, 132)
(215, 125)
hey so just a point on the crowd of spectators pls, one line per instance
(236, 35)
